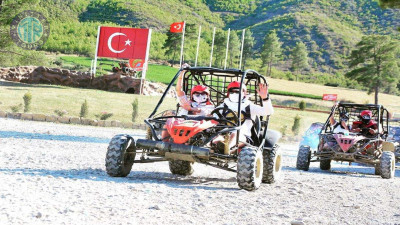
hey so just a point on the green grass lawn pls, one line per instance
(155, 73)
(47, 98)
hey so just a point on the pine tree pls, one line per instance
(271, 51)
(299, 58)
(172, 45)
(234, 50)
(247, 47)
(374, 62)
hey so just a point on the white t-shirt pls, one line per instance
(205, 109)
(255, 110)
(339, 129)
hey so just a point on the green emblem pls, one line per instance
(29, 29)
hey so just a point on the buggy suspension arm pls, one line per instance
(172, 147)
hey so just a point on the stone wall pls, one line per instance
(108, 82)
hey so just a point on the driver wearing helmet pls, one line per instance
(341, 126)
(249, 110)
(199, 102)
(365, 122)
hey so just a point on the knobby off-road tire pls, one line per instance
(303, 158)
(325, 164)
(272, 165)
(378, 170)
(249, 169)
(120, 156)
(388, 165)
(181, 167)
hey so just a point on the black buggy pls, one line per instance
(191, 137)
(363, 147)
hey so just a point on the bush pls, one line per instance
(302, 105)
(60, 112)
(135, 110)
(283, 130)
(16, 108)
(104, 115)
(84, 109)
(27, 101)
(296, 125)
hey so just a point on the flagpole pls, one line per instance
(212, 47)
(198, 45)
(183, 40)
(145, 64)
(241, 50)
(95, 55)
(91, 67)
(227, 46)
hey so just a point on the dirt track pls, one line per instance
(54, 174)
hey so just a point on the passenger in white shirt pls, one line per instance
(341, 126)
(249, 110)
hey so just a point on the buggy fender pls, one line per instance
(388, 146)
(271, 138)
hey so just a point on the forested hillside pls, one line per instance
(329, 29)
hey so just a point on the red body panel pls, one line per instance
(181, 130)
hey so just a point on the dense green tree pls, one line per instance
(247, 47)
(374, 62)
(299, 58)
(234, 50)
(389, 3)
(172, 45)
(271, 51)
(219, 48)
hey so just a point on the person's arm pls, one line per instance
(183, 101)
(267, 108)
(355, 128)
(332, 120)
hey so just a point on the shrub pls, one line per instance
(60, 112)
(16, 108)
(283, 130)
(302, 105)
(296, 125)
(27, 101)
(84, 109)
(104, 115)
(135, 110)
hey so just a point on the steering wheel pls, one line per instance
(226, 116)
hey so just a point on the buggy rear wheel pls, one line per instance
(303, 158)
(249, 169)
(120, 156)
(272, 165)
(388, 166)
(325, 164)
(378, 170)
(181, 167)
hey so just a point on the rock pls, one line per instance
(3, 114)
(63, 119)
(93, 123)
(85, 121)
(26, 116)
(115, 123)
(38, 215)
(75, 120)
(38, 117)
(297, 222)
(107, 123)
(127, 124)
(51, 118)
(101, 123)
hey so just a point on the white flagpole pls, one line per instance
(183, 40)
(241, 50)
(91, 67)
(227, 46)
(212, 47)
(198, 45)
(97, 48)
(146, 62)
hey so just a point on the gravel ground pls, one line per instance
(54, 174)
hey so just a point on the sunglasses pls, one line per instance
(234, 91)
(197, 94)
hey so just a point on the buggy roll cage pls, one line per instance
(378, 110)
(198, 75)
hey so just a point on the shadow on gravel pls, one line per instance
(22, 135)
(134, 177)
(343, 171)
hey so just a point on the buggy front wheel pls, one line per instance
(325, 164)
(120, 156)
(249, 169)
(388, 166)
(303, 158)
(181, 167)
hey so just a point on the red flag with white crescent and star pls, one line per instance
(177, 27)
(123, 43)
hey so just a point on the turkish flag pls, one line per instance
(123, 43)
(177, 27)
